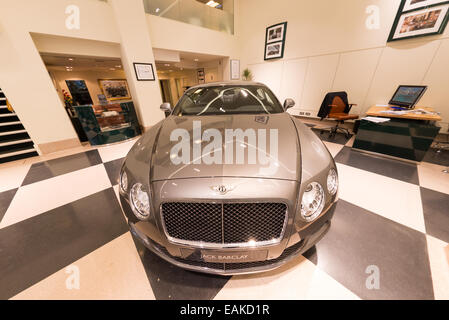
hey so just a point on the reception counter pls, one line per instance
(104, 124)
(406, 136)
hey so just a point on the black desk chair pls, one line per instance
(335, 106)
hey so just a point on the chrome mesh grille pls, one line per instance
(193, 221)
(227, 223)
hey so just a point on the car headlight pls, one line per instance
(124, 181)
(140, 201)
(332, 182)
(312, 202)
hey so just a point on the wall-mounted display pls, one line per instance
(144, 71)
(115, 89)
(418, 18)
(79, 92)
(275, 41)
(235, 69)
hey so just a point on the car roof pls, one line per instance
(228, 83)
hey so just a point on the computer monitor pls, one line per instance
(407, 96)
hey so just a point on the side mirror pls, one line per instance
(289, 103)
(166, 107)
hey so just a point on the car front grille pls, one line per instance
(224, 223)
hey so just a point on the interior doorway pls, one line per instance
(86, 80)
(166, 91)
(177, 71)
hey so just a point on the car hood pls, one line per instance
(284, 166)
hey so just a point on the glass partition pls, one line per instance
(214, 14)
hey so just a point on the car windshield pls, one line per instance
(216, 100)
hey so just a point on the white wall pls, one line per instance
(329, 48)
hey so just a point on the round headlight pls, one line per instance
(124, 181)
(332, 182)
(312, 201)
(140, 201)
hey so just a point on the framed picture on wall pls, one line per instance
(235, 69)
(276, 32)
(426, 21)
(275, 41)
(274, 50)
(144, 71)
(115, 89)
(410, 5)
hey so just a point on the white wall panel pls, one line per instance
(292, 82)
(269, 74)
(319, 79)
(355, 73)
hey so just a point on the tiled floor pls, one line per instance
(60, 218)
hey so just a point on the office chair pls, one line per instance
(335, 106)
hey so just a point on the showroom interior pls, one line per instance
(83, 80)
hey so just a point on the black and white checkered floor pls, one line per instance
(60, 218)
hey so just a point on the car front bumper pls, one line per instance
(299, 243)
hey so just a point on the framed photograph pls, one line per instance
(274, 50)
(115, 89)
(276, 33)
(410, 5)
(144, 71)
(418, 23)
(235, 69)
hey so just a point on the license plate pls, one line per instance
(233, 256)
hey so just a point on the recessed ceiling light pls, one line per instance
(118, 66)
(157, 10)
(212, 4)
(70, 59)
(167, 65)
(197, 60)
(112, 69)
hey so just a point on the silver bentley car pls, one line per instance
(229, 182)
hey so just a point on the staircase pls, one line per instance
(15, 143)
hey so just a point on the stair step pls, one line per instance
(15, 153)
(3, 107)
(12, 132)
(8, 115)
(10, 123)
(9, 143)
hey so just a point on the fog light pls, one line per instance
(312, 201)
(332, 182)
(140, 201)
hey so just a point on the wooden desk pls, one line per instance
(407, 136)
(375, 111)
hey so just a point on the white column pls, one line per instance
(136, 47)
